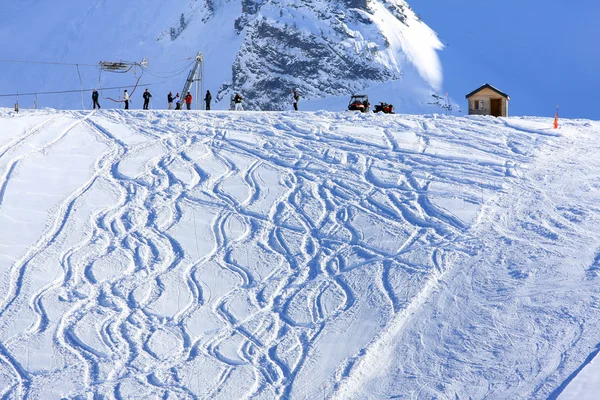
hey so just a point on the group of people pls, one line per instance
(147, 96)
(237, 100)
(187, 99)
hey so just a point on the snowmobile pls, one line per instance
(384, 108)
(359, 102)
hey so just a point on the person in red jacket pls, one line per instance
(188, 100)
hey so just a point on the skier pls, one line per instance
(177, 102)
(146, 97)
(237, 99)
(170, 100)
(188, 101)
(296, 97)
(207, 99)
(95, 99)
(126, 99)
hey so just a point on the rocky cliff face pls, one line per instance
(322, 48)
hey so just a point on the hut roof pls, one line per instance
(488, 86)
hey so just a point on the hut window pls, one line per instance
(477, 104)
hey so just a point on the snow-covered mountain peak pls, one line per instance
(330, 49)
(262, 49)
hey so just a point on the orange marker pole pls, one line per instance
(556, 118)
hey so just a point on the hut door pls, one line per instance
(496, 107)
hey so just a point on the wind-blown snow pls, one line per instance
(413, 40)
(296, 255)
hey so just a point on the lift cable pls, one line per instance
(74, 91)
(113, 67)
(170, 74)
(47, 62)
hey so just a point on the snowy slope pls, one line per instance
(261, 49)
(295, 255)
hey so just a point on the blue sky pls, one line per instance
(542, 53)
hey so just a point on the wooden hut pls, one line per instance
(487, 100)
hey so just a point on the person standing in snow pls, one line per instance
(177, 102)
(296, 99)
(95, 99)
(146, 97)
(207, 99)
(126, 99)
(188, 101)
(237, 100)
(170, 100)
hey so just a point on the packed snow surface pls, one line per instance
(255, 255)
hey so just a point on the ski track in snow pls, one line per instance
(267, 255)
